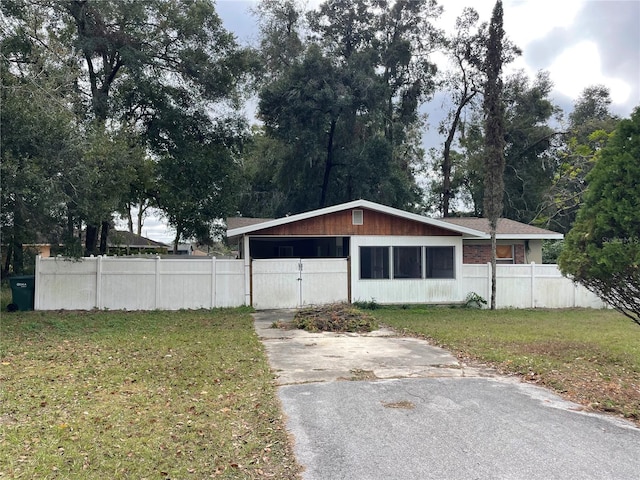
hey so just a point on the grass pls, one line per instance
(155, 395)
(589, 356)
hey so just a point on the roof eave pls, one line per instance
(529, 236)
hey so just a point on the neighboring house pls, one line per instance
(122, 242)
(362, 250)
(196, 249)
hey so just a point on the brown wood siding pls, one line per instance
(340, 224)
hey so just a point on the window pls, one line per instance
(285, 251)
(504, 253)
(440, 262)
(374, 262)
(407, 262)
(357, 217)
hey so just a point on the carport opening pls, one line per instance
(298, 247)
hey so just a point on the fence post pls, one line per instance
(488, 293)
(98, 261)
(212, 302)
(248, 294)
(533, 284)
(36, 300)
(157, 283)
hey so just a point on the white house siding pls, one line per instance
(428, 290)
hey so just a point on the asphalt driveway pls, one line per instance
(415, 412)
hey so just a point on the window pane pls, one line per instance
(374, 262)
(440, 262)
(504, 252)
(407, 262)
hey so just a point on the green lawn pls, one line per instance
(156, 395)
(589, 356)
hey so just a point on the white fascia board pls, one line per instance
(530, 236)
(356, 204)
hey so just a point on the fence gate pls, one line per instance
(294, 282)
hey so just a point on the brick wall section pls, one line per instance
(479, 254)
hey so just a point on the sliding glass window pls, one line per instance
(407, 262)
(374, 262)
(440, 262)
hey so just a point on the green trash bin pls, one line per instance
(22, 292)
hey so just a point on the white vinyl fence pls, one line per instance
(294, 282)
(138, 283)
(528, 286)
(150, 283)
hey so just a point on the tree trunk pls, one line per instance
(493, 267)
(129, 218)
(7, 261)
(91, 240)
(328, 165)
(141, 210)
(104, 235)
(446, 156)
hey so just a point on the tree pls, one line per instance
(38, 143)
(590, 126)
(602, 250)
(464, 83)
(530, 145)
(198, 173)
(345, 110)
(131, 64)
(494, 135)
(281, 44)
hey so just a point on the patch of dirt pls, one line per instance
(358, 374)
(403, 404)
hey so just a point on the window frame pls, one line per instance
(390, 267)
(412, 273)
(386, 267)
(429, 266)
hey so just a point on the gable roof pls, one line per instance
(233, 230)
(469, 227)
(506, 229)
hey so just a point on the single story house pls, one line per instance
(362, 250)
(123, 242)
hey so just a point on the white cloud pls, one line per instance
(526, 21)
(580, 66)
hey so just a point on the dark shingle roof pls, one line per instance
(239, 222)
(123, 238)
(505, 226)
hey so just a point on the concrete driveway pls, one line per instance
(417, 413)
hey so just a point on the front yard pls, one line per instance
(155, 395)
(189, 394)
